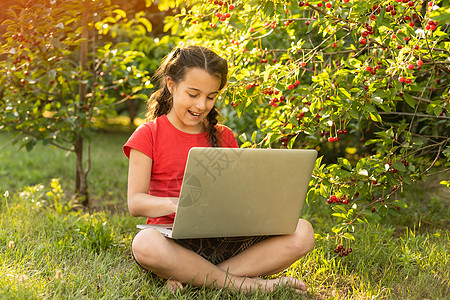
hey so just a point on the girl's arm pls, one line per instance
(140, 203)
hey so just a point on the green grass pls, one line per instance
(50, 250)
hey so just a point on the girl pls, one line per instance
(183, 115)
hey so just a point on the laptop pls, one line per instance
(228, 192)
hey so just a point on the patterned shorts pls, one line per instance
(217, 250)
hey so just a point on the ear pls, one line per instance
(170, 84)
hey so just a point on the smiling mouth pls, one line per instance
(194, 114)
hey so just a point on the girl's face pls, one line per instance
(193, 98)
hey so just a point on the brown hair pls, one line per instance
(175, 66)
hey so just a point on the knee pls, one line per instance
(147, 248)
(304, 237)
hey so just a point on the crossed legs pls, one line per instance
(171, 261)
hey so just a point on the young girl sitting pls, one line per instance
(183, 115)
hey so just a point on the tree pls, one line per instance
(364, 82)
(57, 77)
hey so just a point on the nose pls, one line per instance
(200, 104)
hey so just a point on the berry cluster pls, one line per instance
(342, 252)
(336, 199)
(222, 16)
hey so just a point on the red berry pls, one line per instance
(336, 250)
(412, 24)
(329, 201)
(340, 247)
(362, 41)
(303, 64)
(349, 250)
(334, 45)
(291, 86)
(331, 139)
(410, 66)
(231, 7)
(408, 80)
(411, 3)
(368, 68)
(345, 201)
(401, 79)
(419, 62)
(328, 5)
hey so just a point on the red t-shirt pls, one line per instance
(168, 148)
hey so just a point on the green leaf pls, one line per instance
(345, 163)
(311, 195)
(410, 100)
(400, 204)
(349, 236)
(243, 137)
(375, 116)
(399, 166)
(345, 93)
(339, 215)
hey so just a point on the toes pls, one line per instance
(173, 286)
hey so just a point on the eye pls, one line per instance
(211, 98)
(192, 96)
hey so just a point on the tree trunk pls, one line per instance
(81, 188)
(133, 107)
(81, 174)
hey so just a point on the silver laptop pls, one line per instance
(230, 192)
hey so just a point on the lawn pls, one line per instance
(53, 249)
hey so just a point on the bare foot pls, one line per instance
(174, 286)
(271, 284)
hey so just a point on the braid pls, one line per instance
(211, 122)
(160, 103)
